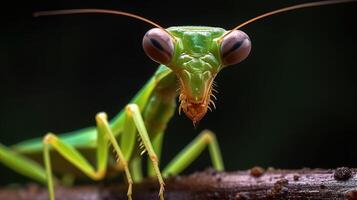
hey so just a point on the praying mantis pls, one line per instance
(190, 58)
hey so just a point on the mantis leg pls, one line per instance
(192, 151)
(74, 157)
(133, 112)
(135, 167)
(22, 165)
(157, 144)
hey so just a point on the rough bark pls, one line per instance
(211, 185)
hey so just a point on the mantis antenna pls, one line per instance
(102, 11)
(281, 10)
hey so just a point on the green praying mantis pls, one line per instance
(190, 57)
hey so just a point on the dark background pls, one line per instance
(291, 104)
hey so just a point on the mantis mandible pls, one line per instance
(190, 57)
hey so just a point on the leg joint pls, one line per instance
(153, 158)
(122, 165)
(101, 117)
(49, 138)
(208, 136)
(98, 175)
(130, 108)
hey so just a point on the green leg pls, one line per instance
(134, 112)
(22, 165)
(157, 144)
(192, 151)
(136, 170)
(74, 157)
(103, 122)
(128, 139)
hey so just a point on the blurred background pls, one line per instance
(291, 104)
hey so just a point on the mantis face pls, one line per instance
(196, 55)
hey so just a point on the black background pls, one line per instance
(291, 104)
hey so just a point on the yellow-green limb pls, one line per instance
(22, 165)
(193, 150)
(135, 168)
(77, 159)
(134, 112)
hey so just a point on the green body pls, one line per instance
(194, 65)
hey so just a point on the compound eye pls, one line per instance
(235, 47)
(158, 45)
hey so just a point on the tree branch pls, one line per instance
(318, 184)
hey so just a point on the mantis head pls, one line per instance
(196, 55)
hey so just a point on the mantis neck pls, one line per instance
(158, 94)
(161, 105)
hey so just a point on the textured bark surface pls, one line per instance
(208, 185)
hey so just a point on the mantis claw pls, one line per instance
(129, 193)
(161, 192)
